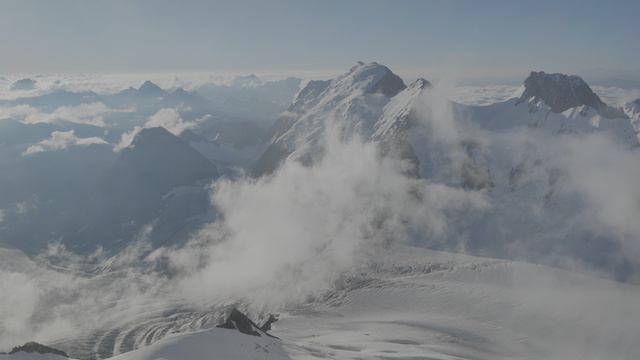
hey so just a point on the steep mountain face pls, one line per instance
(562, 92)
(632, 109)
(162, 161)
(142, 186)
(352, 102)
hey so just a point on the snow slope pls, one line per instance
(210, 344)
(414, 303)
(421, 304)
(352, 101)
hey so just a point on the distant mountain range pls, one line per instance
(161, 177)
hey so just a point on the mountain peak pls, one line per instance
(154, 135)
(246, 81)
(374, 78)
(559, 91)
(180, 91)
(149, 88)
(157, 156)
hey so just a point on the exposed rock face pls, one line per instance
(389, 85)
(267, 324)
(560, 92)
(34, 347)
(239, 321)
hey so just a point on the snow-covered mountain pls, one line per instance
(511, 151)
(352, 101)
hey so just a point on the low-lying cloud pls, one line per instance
(292, 235)
(61, 140)
(279, 240)
(86, 114)
(168, 118)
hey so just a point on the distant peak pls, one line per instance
(149, 88)
(180, 91)
(251, 80)
(154, 136)
(559, 91)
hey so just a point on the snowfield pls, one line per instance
(211, 344)
(421, 304)
(429, 305)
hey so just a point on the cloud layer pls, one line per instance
(87, 114)
(167, 118)
(61, 140)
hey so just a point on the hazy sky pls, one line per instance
(455, 38)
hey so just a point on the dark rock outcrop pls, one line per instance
(239, 321)
(34, 347)
(560, 92)
(389, 85)
(267, 324)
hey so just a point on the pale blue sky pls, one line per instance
(465, 39)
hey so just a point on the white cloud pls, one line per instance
(61, 140)
(615, 96)
(167, 118)
(88, 114)
(293, 235)
(608, 175)
(481, 95)
(490, 94)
